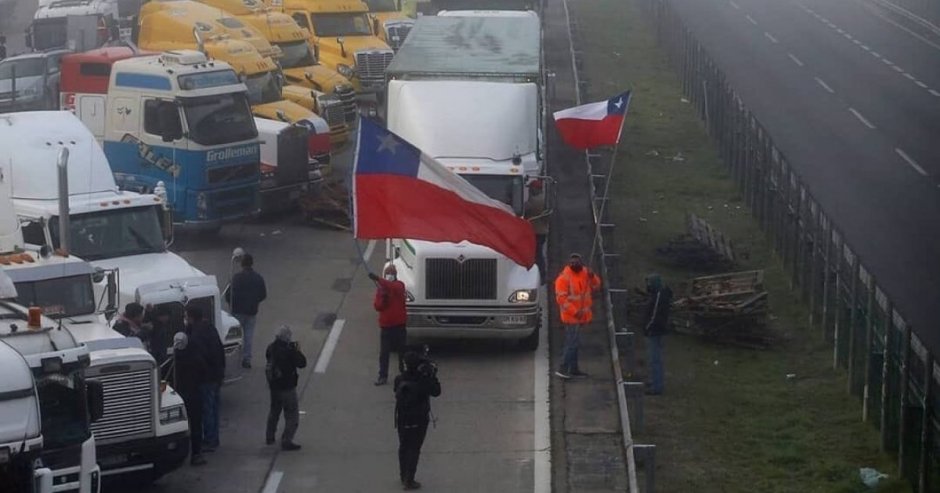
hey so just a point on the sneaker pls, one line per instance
(563, 374)
(411, 485)
(197, 460)
(246, 364)
(381, 381)
(290, 446)
(579, 374)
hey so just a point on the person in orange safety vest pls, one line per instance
(574, 291)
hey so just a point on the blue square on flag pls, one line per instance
(382, 152)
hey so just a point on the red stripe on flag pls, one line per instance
(391, 206)
(585, 134)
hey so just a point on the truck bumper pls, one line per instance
(276, 199)
(468, 322)
(143, 459)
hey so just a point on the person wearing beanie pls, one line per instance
(283, 360)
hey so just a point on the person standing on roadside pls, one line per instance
(535, 213)
(657, 325)
(283, 359)
(161, 333)
(246, 291)
(207, 340)
(393, 314)
(189, 371)
(413, 391)
(574, 292)
(131, 322)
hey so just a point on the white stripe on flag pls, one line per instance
(590, 111)
(436, 174)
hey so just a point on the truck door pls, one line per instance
(90, 110)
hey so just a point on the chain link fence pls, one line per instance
(888, 367)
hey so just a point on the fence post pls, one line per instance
(886, 374)
(814, 261)
(927, 424)
(869, 338)
(838, 329)
(798, 237)
(827, 272)
(904, 382)
(853, 332)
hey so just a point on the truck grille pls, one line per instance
(371, 65)
(331, 110)
(450, 279)
(128, 405)
(347, 97)
(396, 35)
(233, 202)
(238, 172)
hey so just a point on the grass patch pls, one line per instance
(730, 421)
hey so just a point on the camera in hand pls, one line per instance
(426, 367)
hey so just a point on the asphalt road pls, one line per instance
(853, 101)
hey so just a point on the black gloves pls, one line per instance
(373, 276)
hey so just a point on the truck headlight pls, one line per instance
(172, 414)
(202, 205)
(234, 333)
(523, 296)
(345, 70)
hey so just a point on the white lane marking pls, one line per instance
(909, 76)
(848, 36)
(865, 47)
(369, 249)
(736, 6)
(935, 93)
(876, 54)
(795, 59)
(862, 118)
(543, 439)
(856, 41)
(898, 69)
(326, 353)
(770, 37)
(910, 161)
(839, 30)
(887, 62)
(921, 84)
(899, 26)
(824, 85)
(274, 480)
(751, 19)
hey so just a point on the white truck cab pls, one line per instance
(110, 228)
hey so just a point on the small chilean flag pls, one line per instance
(400, 192)
(593, 124)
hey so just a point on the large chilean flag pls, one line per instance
(399, 192)
(593, 124)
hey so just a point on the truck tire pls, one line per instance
(531, 341)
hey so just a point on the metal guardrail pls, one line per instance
(630, 448)
(888, 367)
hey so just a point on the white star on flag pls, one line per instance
(389, 143)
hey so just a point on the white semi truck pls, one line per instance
(112, 229)
(467, 91)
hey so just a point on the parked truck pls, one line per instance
(467, 92)
(390, 22)
(112, 229)
(68, 402)
(299, 62)
(346, 39)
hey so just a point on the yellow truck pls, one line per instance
(346, 39)
(175, 24)
(389, 21)
(298, 60)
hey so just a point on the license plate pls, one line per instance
(515, 320)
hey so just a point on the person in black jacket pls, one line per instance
(189, 372)
(413, 391)
(161, 332)
(131, 322)
(656, 326)
(284, 358)
(207, 339)
(246, 291)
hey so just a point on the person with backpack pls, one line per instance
(413, 391)
(283, 360)
(656, 326)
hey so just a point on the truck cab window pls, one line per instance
(33, 233)
(161, 118)
(301, 19)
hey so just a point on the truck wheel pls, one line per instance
(531, 341)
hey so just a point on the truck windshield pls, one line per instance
(49, 33)
(506, 189)
(329, 25)
(113, 233)
(59, 297)
(382, 5)
(262, 88)
(62, 406)
(29, 67)
(221, 119)
(296, 54)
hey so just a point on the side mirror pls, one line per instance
(316, 51)
(112, 287)
(29, 37)
(342, 45)
(375, 26)
(95, 394)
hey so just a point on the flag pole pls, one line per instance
(605, 197)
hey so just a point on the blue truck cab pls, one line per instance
(185, 120)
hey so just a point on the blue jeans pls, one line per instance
(210, 414)
(569, 356)
(655, 346)
(248, 326)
